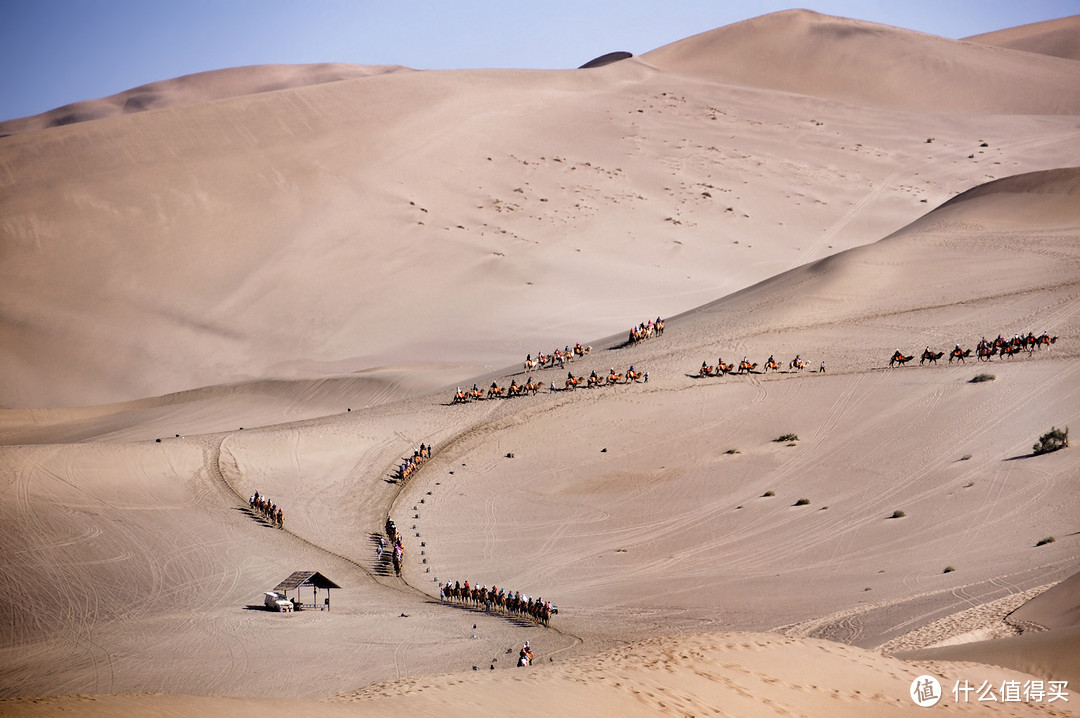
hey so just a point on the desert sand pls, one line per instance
(274, 280)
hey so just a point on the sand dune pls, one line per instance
(726, 674)
(224, 408)
(662, 532)
(1058, 38)
(866, 64)
(367, 244)
(194, 89)
(248, 238)
(1057, 608)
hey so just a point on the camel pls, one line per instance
(747, 367)
(930, 356)
(900, 359)
(959, 354)
(798, 363)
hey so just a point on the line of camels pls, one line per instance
(984, 351)
(557, 357)
(630, 376)
(747, 367)
(495, 598)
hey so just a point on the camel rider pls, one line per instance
(593, 375)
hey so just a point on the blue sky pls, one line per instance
(62, 51)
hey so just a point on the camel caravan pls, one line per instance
(267, 509)
(745, 366)
(646, 330)
(630, 376)
(498, 599)
(395, 537)
(411, 463)
(594, 380)
(984, 351)
(558, 357)
(495, 391)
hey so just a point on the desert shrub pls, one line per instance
(948, 569)
(769, 493)
(1044, 541)
(786, 437)
(1052, 441)
(898, 514)
(965, 457)
(802, 502)
(980, 378)
(732, 451)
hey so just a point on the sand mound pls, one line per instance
(740, 674)
(1057, 608)
(194, 89)
(1050, 655)
(866, 64)
(224, 408)
(1059, 38)
(1040, 199)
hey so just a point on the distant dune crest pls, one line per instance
(872, 65)
(1057, 38)
(195, 89)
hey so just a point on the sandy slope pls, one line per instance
(133, 567)
(644, 538)
(1059, 38)
(710, 674)
(302, 232)
(193, 89)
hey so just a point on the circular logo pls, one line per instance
(925, 691)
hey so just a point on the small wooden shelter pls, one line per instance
(298, 579)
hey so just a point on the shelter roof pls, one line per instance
(305, 578)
